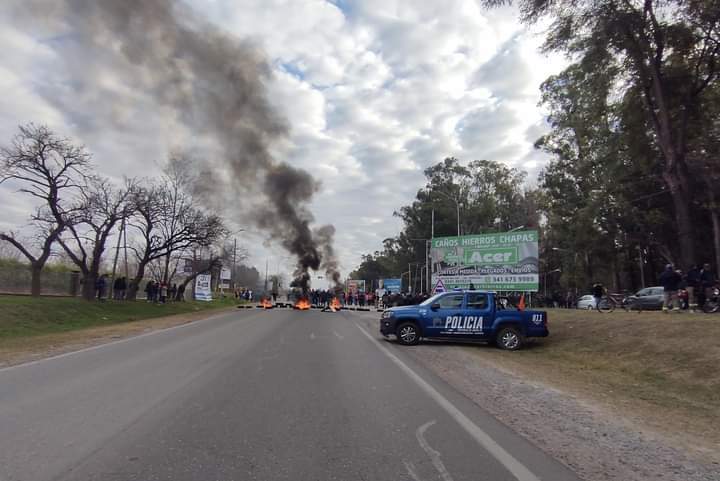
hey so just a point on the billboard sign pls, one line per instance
(506, 261)
(225, 274)
(392, 285)
(203, 291)
(355, 286)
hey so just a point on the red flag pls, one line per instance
(521, 304)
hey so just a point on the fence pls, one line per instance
(16, 279)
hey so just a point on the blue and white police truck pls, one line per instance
(464, 316)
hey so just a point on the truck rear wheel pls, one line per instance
(509, 338)
(408, 334)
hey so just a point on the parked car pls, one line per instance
(586, 302)
(649, 298)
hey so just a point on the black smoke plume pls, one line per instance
(216, 85)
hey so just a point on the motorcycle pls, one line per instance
(712, 303)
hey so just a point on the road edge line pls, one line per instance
(515, 467)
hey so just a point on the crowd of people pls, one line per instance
(320, 297)
(156, 291)
(245, 294)
(687, 290)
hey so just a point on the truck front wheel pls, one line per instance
(509, 338)
(407, 334)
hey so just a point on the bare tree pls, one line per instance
(51, 170)
(102, 206)
(202, 266)
(166, 227)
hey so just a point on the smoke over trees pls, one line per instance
(215, 85)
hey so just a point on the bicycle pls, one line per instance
(608, 303)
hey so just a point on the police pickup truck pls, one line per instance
(464, 316)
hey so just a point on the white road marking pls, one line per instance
(411, 470)
(515, 467)
(434, 455)
(112, 343)
(338, 335)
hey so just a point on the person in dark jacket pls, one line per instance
(707, 282)
(693, 286)
(670, 280)
(100, 287)
(598, 290)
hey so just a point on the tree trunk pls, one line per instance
(35, 283)
(88, 289)
(134, 285)
(681, 203)
(715, 218)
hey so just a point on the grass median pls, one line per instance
(31, 328)
(663, 368)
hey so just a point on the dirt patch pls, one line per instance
(24, 349)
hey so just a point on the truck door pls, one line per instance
(442, 313)
(477, 318)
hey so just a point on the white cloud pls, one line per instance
(373, 91)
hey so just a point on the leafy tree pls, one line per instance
(489, 196)
(666, 52)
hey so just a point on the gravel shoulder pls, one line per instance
(600, 437)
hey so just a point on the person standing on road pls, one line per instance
(670, 280)
(693, 286)
(597, 291)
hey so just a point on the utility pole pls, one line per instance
(432, 224)
(117, 254)
(428, 265)
(266, 274)
(409, 278)
(127, 268)
(234, 281)
(457, 206)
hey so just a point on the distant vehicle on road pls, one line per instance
(586, 302)
(464, 316)
(647, 299)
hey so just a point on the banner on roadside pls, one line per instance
(392, 285)
(225, 274)
(354, 286)
(506, 261)
(203, 290)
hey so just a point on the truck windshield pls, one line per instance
(430, 300)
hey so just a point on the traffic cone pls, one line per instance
(521, 304)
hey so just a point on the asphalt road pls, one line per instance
(252, 395)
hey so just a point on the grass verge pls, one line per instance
(661, 369)
(32, 328)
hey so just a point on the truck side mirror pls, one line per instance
(435, 306)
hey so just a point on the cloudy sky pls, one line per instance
(374, 91)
